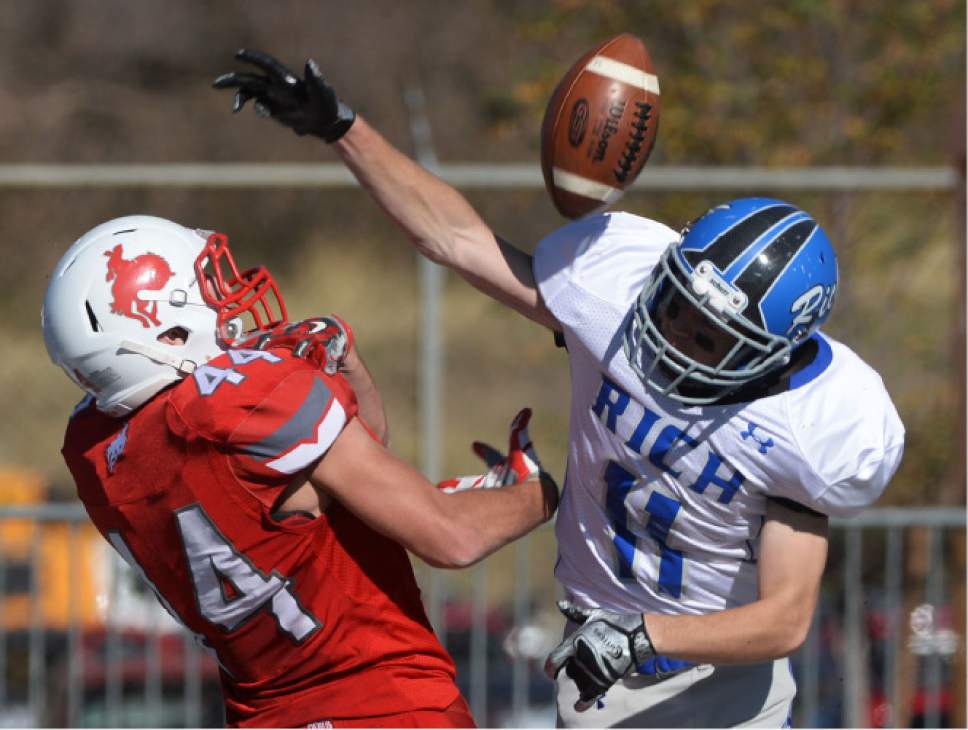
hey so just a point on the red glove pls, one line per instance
(321, 340)
(520, 464)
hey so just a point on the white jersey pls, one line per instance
(663, 503)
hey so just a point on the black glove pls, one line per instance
(606, 647)
(308, 105)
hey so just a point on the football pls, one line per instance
(600, 126)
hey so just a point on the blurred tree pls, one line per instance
(784, 83)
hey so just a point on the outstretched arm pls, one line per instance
(438, 220)
(448, 530)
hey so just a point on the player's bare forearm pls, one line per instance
(428, 210)
(499, 516)
(759, 631)
(793, 552)
(444, 530)
(368, 398)
(441, 223)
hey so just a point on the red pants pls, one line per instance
(457, 714)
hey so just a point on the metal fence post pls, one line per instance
(37, 691)
(429, 369)
(479, 639)
(192, 687)
(809, 675)
(855, 656)
(75, 649)
(520, 688)
(933, 595)
(893, 573)
(153, 688)
(113, 691)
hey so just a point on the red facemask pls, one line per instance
(251, 294)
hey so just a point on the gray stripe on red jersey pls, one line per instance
(300, 428)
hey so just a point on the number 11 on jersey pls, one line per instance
(660, 511)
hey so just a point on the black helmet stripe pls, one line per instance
(731, 243)
(757, 280)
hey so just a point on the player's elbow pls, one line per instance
(795, 626)
(455, 549)
(433, 248)
(453, 556)
(790, 639)
(454, 245)
(438, 241)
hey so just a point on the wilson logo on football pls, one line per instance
(148, 271)
(578, 122)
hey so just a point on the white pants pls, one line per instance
(749, 695)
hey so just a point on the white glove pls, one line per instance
(520, 464)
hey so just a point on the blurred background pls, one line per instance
(806, 86)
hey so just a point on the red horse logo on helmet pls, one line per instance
(147, 271)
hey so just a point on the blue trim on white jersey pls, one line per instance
(821, 361)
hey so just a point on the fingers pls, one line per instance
(565, 650)
(237, 79)
(488, 454)
(583, 670)
(582, 705)
(574, 613)
(558, 657)
(264, 89)
(314, 77)
(247, 86)
(564, 657)
(520, 421)
(519, 439)
(241, 96)
(269, 64)
(318, 90)
(586, 694)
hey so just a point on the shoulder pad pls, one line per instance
(272, 386)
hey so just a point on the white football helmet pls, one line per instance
(129, 281)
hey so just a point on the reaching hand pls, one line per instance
(520, 464)
(322, 340)
(606, 647)
(307, 106)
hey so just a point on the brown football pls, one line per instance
(600, 126)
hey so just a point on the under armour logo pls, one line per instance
(115, 449)
(764, 444)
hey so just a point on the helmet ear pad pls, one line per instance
(761, 271)
(111, 300)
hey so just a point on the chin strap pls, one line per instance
(186, 367)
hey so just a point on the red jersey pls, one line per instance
(310, 619)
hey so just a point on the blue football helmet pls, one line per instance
(762, 270)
